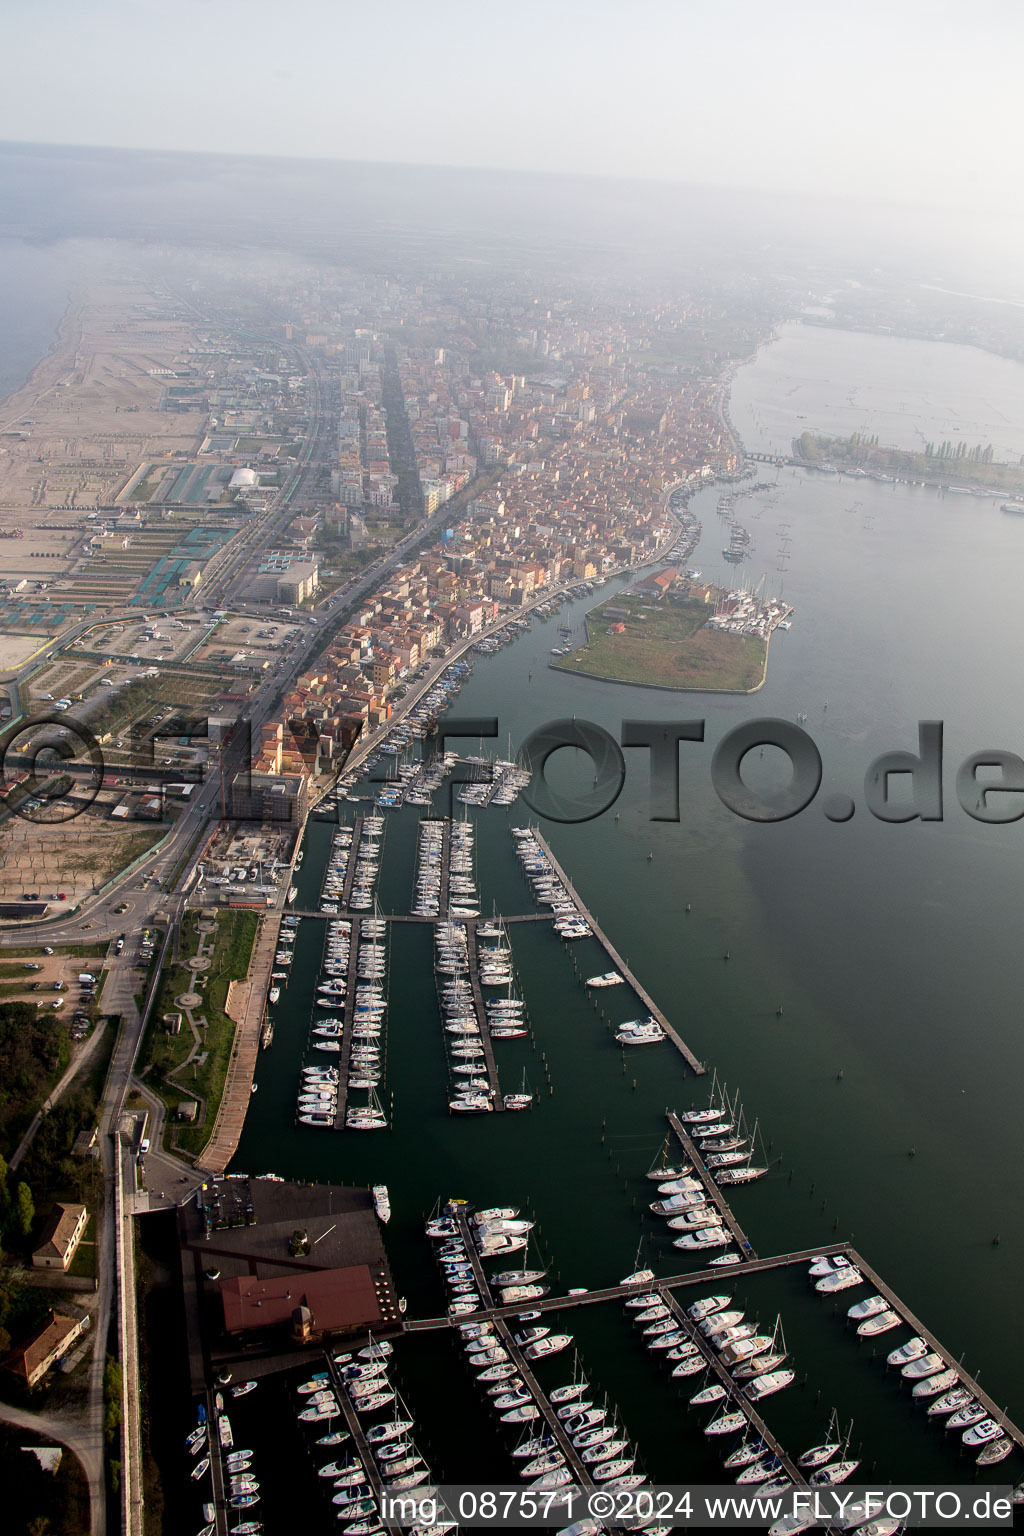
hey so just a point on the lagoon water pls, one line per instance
(886, 1093)
(34, 283)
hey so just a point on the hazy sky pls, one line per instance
(911, 100)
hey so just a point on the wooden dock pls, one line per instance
(350, 867)
(359, 1441)
(697, 1067)
(693, 1278)
(735, 1400)
(479, 1274)
(348, 1015)
(572, 1456)
(999, 1414)
(481, 1014)
(446, 863)
(723, 1207)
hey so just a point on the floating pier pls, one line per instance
(446, 862)
(479, 1275)
(572, 1456)
(715, 1195)
(697, 1067)
(735, 1399)
(359, 1441)
(481, 1012)
(350, 867)
(345, 1054)
(1007, 1425)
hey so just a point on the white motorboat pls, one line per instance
(881, 1322)
(934, 1386)
(913, 1349)
(705, 1237)
(839, 1280)
(720, 1320)
(929, 1364)
(705, 1306)
(980, 1433)
(764, 1386)
(867, 1308)
(551, 1345)
(638, 1032)
(826, 1264)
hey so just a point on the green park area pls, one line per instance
(663, 643)
(189, 1064)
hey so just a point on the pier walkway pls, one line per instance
(345, 1054)
(446, 864)
(716, 1278)
(697, 1067)
(723, 1207)
(350, 867)
(479, 1275)
(735, 1400)
(572, 1456)
(359, 1441)
(481, 1013)
(999, 1414)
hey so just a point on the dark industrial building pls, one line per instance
(271, 1269)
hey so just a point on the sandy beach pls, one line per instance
(73, 434)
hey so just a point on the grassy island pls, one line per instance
(663, 643)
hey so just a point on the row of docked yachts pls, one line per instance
(548, 887)
(285, 948)
(934, 1379)
(435, 701)
(588, 1432)
(416, 781)
(502, 785)
(241, 1488)
(495, 1233)
(333, 887)
(319, 1090)
(689, 1343)
(367, 855)
(473, 1092)
(429, 857)
(463, 900)
(385, 1460)
(726, 1148)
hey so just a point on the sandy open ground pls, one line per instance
(14, 649)
(76, 431)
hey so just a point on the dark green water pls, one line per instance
(893, 949)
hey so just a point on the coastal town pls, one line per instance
(258, 540)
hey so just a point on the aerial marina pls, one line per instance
(689, 1079)
(726, 1362)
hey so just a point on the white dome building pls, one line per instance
(244, 480)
